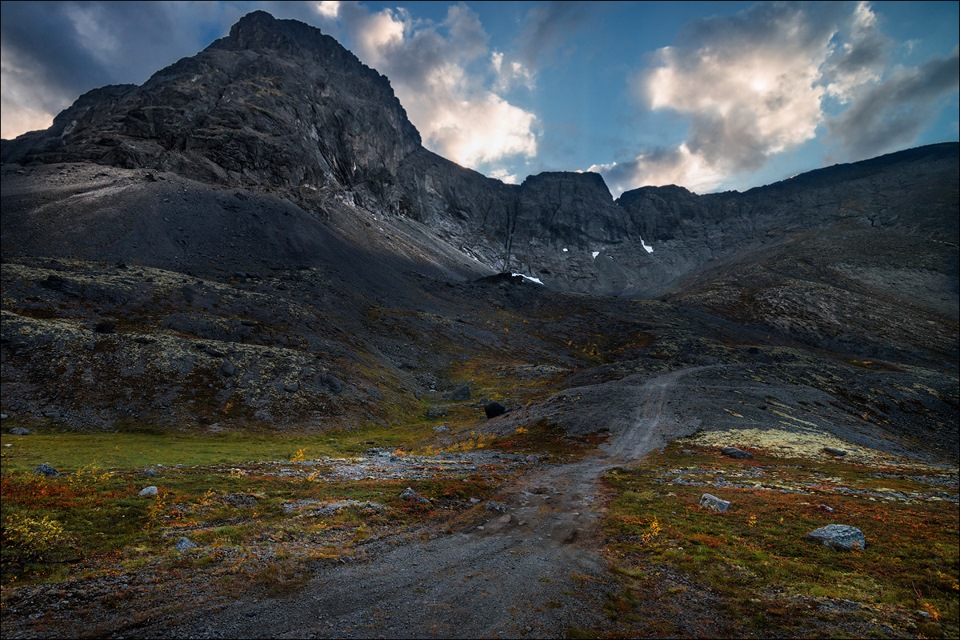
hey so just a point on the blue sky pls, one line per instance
(708, 95)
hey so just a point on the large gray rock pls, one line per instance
(410, 495)
(712, 502)
(19, 431)
(734, 452)
(839, 536)
(148, 491)
(46, 470)
(184, 544)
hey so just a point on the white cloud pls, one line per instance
(661, 167)
(328, 8)
(504, 175)
(756, 84)
(510, 73)
(457, 110)
(748, 84)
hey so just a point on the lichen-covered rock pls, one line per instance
(734, 452)
(184, 544)
(412, 496)
(839, 536)
(46, 470)
(148, 491)
(712, 502)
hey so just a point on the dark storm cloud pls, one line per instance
(892, 114)
(54, 51)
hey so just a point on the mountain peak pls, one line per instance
(260, 30)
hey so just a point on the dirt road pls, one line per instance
(531, 570)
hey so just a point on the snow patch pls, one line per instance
(646, 246)
(564, 249)
(525, 277)
(594, 254)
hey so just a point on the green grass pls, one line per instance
(68, 451)
(755, 555)
(91, 520)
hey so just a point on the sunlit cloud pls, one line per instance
(457, 110)
(757, 84)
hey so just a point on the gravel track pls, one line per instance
(532, 570)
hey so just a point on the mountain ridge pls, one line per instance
(285, 107)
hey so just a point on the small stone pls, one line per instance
(3, 416)
(839, 536)
(712, 502)
(834, 452)
(733, 452)
(228, 368)
(47, 470)
(184, 544)
(688, 452)
(495, 506)
(240, 500)
(150, 473)
(494, 409)
(824, 507)
(148, 491)
(441, 429)
(291, 387)
(20, 431)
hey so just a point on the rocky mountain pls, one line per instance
(256, 234)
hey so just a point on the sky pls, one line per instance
(711, 96)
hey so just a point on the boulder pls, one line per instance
(19, 431)
(440, 428)
(184, 544)
(148, 491)
(412, 496)
(150, 473)
(834, 452)
(712, 502)
(733, 452)
(460, 393)
(839, 536)
(47, 470)
(494, 409)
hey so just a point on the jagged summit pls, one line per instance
(275, 103)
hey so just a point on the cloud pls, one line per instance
(547, 27)
(510, 73)
(748, 83)
(55, 51)
(892, 113)
(659, 167)
(761, 83)
(457, 109)
(861, 60)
